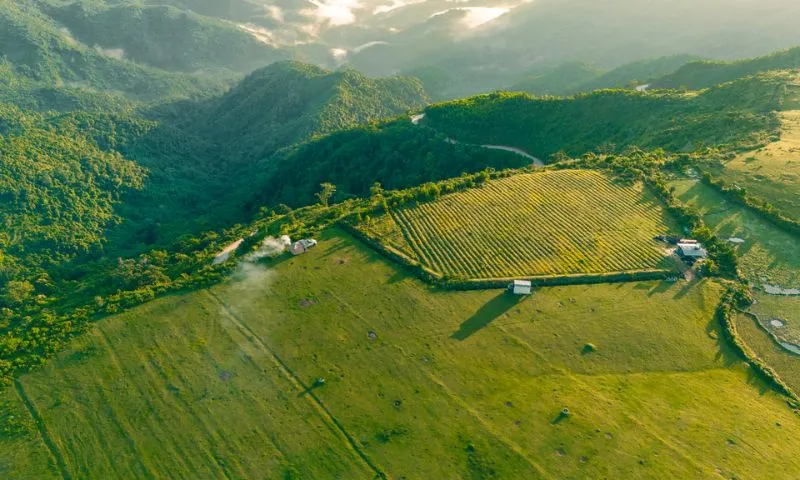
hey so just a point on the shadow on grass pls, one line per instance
(309, 389)
(486, 314)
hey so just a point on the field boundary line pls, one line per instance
(300, 385)
(42, 428)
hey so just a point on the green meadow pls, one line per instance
(773, 171)
(338, 364)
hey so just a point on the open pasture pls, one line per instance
(419, 383)
(773, 171)
(546, 223)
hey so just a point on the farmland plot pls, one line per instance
(420, 383)
(547, 223)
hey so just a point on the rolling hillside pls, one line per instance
(418, 383)
(738, 113)
(704, 74)
(163, 36)
(40, 52)
(289, 102)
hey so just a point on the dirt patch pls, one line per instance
(776, 290)
(306, 302)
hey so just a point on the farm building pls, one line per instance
(520, 287)
(302, 246)
(691, 249)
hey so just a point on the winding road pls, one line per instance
(537, 162)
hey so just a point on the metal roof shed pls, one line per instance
(521, 287)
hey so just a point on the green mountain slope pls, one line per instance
(703, 74)
(39, 52)
(638, 72)
(560, 80)
(57, 196)
(735, 113)
(164, 36)
(397, 154)
(289, 102)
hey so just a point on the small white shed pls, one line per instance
(520, 287)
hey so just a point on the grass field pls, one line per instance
(768, 255)
(419, 384)
(783, 309)
(546, 223)
(786, 364)
(772, 172)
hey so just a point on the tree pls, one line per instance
(376, 192)
(18, 292)
(324, 195)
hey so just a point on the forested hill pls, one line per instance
(288, 102)
(733, 113)
(397, 154)
(703, 74)
(35, 50)
(163, 36)
(58, 192)
(574, 77)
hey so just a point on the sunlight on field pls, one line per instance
(416, 383)
(772, 172)
(555, 222)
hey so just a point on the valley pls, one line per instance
(403, 240)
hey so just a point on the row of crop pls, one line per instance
(733, 298)
(555, 222)
(762, 208)
(423, 273)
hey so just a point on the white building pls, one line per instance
(691, 249)
(520, 287)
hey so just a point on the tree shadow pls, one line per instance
(661, 287)
(486, 314)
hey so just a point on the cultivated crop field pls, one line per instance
(420, 383)
(545, 223)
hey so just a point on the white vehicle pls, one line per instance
(302, 246)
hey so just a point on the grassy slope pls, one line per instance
(769, 255)
(785, 309)
(536, 224)
(771, 172)
(456, 385)
(787, 365)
